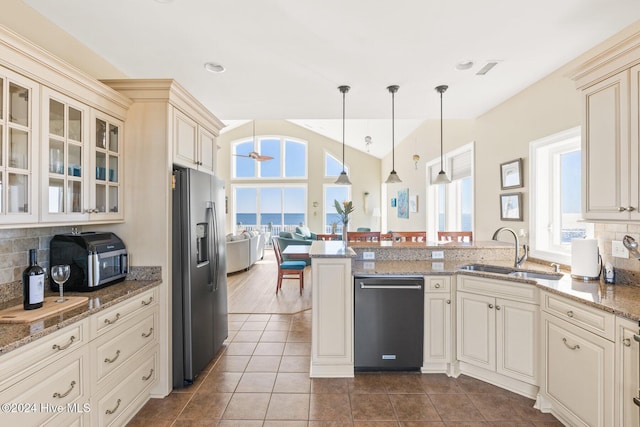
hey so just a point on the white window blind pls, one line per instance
(461, 165)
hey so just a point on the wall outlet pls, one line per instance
(368, 255)
(618, 250)
(369, 265)
(437, 266)
(437, 254)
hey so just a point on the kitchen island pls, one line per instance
(539, 335)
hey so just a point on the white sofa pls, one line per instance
(243, 250)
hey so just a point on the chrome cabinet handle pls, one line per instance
(498, 307)
(107, 360)
(490, 305)
(146, 378)
(570, 313)
(636, 337)
(147, 335)
(111, 322)
(65, 394)
(64, 347)
(113, 411)
(147, 302)
(575, 347)
(626, 342)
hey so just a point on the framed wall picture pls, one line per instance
(413, 204)
(403, 203)
(393, 202)
(511, 174)
(511, 207)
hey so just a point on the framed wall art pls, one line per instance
(413, 204)
(511, 207)
(393, 202)
(403, 203)
(511, 174)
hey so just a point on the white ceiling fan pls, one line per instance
(254, 154)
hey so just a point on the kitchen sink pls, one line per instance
(510, 271)
(536, 275)
(487, 268)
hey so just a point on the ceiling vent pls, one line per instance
(484, 70)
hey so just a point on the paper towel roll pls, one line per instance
(584, 259)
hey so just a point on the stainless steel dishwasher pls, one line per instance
(389, 322)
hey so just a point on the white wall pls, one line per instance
(364, 170)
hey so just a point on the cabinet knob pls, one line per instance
(570, 313)
(498, 307)
(622, 209)
(448, 301)
(626, 342)
(490, 305)
(631, 209)
(437, 286)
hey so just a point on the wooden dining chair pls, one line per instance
(386, 237)
(455, 236)
(409, 236)
(327, 237)
(288, 269)
(363, 236)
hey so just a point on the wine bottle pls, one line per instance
(33, 283)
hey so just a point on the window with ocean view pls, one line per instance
(262, 197)
(555, 176)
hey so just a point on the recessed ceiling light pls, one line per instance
(464, 65)
(212, 67)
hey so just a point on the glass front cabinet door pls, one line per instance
(65, 130)
(18, 159)
(106, 197)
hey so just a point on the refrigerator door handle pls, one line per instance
(213, 269)
(211, 224)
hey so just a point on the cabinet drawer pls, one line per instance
(113, 350)
(41, 353)
(108, 319)
(437, 284)
(48, 391)
(122, 398)
(593, 320)
(498, 288)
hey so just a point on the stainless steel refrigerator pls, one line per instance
(199, 278)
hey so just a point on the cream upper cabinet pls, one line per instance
(65, 130)
(627, 413)
(106, 194)
(609, 84)
(19, 133)
(194, 146)
(606, 150)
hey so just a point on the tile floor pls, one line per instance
(261, 378)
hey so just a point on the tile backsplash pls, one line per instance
(607, 233)
(14, 250)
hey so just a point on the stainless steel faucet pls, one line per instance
(519, 260)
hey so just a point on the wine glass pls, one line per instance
(60, 274)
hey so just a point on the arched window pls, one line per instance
(333, 166)
(288, 158)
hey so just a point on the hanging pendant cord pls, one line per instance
(441, 149)
(393, 131)
(344, 93)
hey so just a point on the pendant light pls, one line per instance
(343, 179)
(442, 177)
(393, 176)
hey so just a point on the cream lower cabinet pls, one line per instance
(438, 334)
(578, 362)
(85, 375)
(627, 413)
(497, 334)
(332, 323)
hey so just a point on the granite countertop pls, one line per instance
(14, 335)
(331, 249)
(622, 300)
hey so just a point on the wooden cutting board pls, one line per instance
(17, 314)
